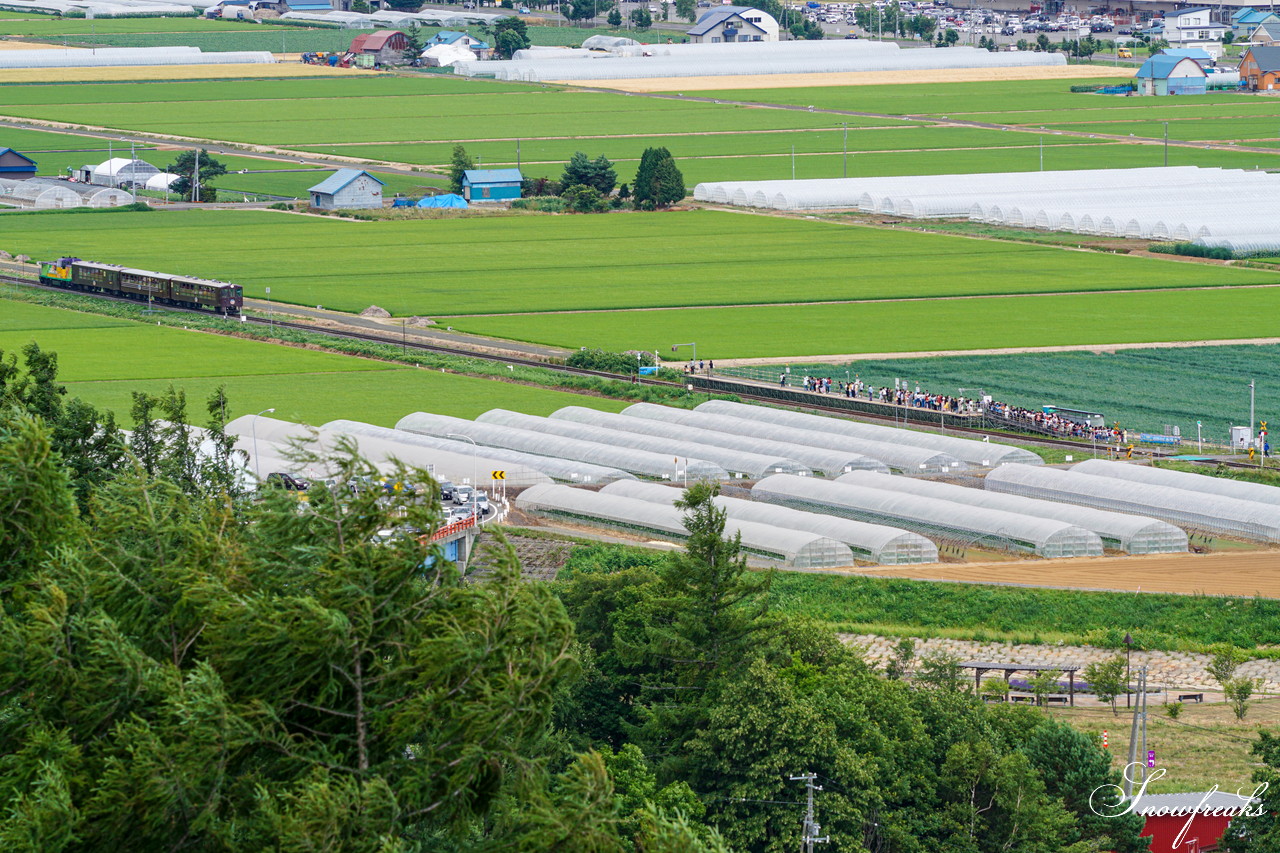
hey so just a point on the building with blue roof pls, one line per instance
(347, 189)
(1171, 75)
(1199, 54)
(482, 49)
(491, 184)
(1246, 21)
(727, 24)
(16, 166)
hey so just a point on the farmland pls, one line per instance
(894, 327)
(302, 385)
(636, 261)
(1142, 389)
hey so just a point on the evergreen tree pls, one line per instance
(614, 18)
(460, 163)
(687, 9)
(598, 174)
(658, 183)
(185, 167)
(509, 35)
(641, 18)
(414, 44)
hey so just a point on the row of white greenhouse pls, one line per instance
(129, 56)
(47, 193)
(1210, 206)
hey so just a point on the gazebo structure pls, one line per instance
(980, 668)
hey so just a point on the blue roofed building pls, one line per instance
(482, 49)
(491, 184)
(16, 166)
(1171, 75)
(1247, 20)
(347, 189)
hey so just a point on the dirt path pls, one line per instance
(1243, 574)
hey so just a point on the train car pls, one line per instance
(141, 284)
(1076, 416)
(216, 296)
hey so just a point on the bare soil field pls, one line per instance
(1230, 573)
(170, 72)
(857, 78)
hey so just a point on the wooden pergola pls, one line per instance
(980, 668)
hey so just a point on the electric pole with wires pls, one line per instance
(811, 829)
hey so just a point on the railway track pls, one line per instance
(744, 389)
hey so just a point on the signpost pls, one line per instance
(1151, 758)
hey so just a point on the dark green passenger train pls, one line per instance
(182, 290)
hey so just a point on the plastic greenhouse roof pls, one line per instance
(960, 451)
(874, 543)
(1187, 509)
(1132, 533)
(1238, 489)
(459, 467)
(642, 462)
(558, 469)
(933, 517)
(736, 462)
(790, 547)
(711, 429)
(657, 423)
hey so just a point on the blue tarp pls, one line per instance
(447, 200)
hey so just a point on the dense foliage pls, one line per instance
(1193, 250)
(624, 363)
(195, 171)
(658, 183)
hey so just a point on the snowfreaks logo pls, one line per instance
(1110, 801)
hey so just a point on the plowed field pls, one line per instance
(1246, 574)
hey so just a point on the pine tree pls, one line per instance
(658, 183)
(598, 174)
(460, 163)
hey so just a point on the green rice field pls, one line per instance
(567, 263)
(1142, 389)
(900, 327)
(103, 360)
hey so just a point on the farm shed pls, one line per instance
(1171, 75)
(556, 469)
(1260, 68)
(737, 462)
(16, 166)
(828, 462)
(873, 543)
(1190, 510)
(642, 462)
(452, 465)
(38, 194)
(728, 24)
(981, 453)
(347, 189)
(1132, 534)
(491, 184)
(1238, 489)
(1169, 818)
(387, 47)
(970, 525)
(788, 547)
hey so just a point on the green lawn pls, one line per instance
(556, 263)
(960, 324)
(103, 360)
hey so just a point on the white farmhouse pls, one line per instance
(1192, 25)
(347, 189)
(733, 24)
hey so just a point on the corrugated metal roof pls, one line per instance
(339, 179)
(1161, 66)
(375, 41)
(4, 151)
(1267, 58)
(492, 176)
(1196, 800)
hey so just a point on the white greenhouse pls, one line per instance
(980, 453)
(1192, 482)
(445, 465)
(96, 196)
(566, 470)
(938, 519)
(739, 463)
(41, 195)
(792, 548)
(1193, 511)
(814, 458)
(161, 181)
(1132, 534)
(872, 543)
(643, 462)
(832, 434)
(128, 56)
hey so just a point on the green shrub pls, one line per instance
(624, 363)
(544, 203)
(1193, 250)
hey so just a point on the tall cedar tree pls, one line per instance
(460, 163)
(658, 183)
(598, 174)
(414, 44)
(185, 168)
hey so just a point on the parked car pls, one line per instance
(281, 480)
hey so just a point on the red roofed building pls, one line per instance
(1189, 823)
(387, 47)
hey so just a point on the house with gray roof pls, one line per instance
(728, 24)
(16, 166)
(347, 189)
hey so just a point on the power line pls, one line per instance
(811, 829)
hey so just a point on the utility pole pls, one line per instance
(846, 148)
(1142, 685)
(195, 179)
(1166, 143)
(1133, 742)
(809, 836)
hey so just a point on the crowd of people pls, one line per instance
(902, 395)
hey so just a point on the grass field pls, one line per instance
(894, 327)
(303, 385)
(1142, 389)
(566, 263)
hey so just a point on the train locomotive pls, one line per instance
(181, 290)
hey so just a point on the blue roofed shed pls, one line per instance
(1171, 75)
(347, 189)
(491, 184)
(1199, 54)
(15, 166)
